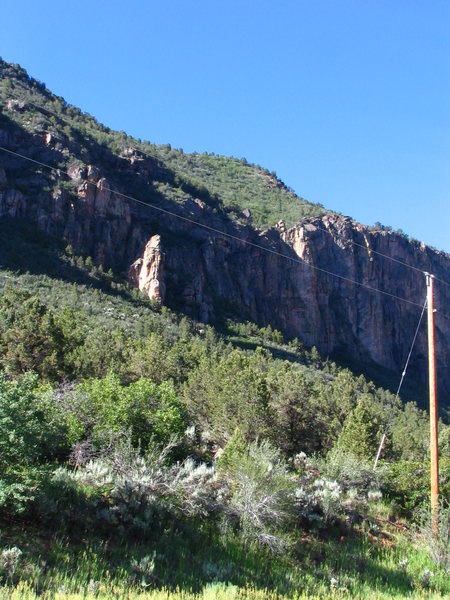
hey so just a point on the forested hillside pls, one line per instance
(122, 422)
(177, 226)
(188, 443)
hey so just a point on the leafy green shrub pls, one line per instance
(408, 485)
(27, 440)
(97, 407)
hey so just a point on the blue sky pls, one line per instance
(348, 101)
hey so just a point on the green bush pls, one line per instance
(231, 391)
(28, 439)
(235, 449)
(30, 339)
(407, 484)
(360, 433)
(151, 412)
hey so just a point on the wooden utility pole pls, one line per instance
(433, 405)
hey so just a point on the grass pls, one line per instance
(186, 563)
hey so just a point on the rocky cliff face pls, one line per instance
(203, 272)
(147, 273)
(320, 309)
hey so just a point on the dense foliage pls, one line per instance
(119, 417)
(228, 452)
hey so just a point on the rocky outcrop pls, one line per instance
(300, 280)
(311, 293)
(147, 274)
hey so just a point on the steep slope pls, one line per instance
(230, 183)
(175, 247)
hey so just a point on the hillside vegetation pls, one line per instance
(144, 453)
(225, 183)
(204, 274)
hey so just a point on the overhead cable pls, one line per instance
(297, 260)
(386, 256)
(372, 251)
(391, 413)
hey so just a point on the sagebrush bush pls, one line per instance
(138, 489)
(9, 561)
(145, 568)
(351, 472)
(262, 496)
(436, 538)
(329, 497)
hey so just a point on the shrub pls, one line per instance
(63, 503)
(345, 486)
(145, 568)
(27, 439)
(360, 432)
(9, 561)
(437, 540)
(138, 490)
(328, 495)
(30, 338)
(98, 409)
(233, 452)
(407, 485)
(231, 391)
(262, 495)
(152, 413)
(351, 473)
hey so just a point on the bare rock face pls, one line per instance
(333, 290)
(147, 274)
(354, 312)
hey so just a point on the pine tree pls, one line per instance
(360, 432)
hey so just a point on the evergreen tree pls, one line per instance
(359, 436)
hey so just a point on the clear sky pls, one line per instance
(347, 100)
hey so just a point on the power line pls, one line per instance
(218, 231)
(386, 256)
(391, 413)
